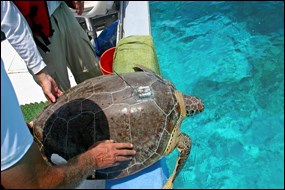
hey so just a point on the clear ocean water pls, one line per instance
(231, 55)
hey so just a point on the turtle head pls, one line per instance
(193, 105)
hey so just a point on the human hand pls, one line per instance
(79, 6)
(49, 86)
(109, 154)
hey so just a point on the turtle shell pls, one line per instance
(140, 108)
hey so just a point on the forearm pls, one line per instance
(32, 172)
(70, 175)
(66, 176)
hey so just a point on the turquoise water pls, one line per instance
(231, 55)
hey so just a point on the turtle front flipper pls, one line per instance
(184, 148)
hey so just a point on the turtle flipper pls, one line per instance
(184, 147)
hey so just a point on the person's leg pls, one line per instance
(56, 59)
(79, 51)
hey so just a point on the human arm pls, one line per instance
(33, 172)
(18, 33)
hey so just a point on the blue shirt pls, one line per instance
(16, 138)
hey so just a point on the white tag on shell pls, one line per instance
(144, 91)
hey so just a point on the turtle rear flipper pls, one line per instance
(184, 147)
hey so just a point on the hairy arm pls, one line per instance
(32, 171)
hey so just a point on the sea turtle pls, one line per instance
(139, 107)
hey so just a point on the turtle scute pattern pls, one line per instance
(106, 107)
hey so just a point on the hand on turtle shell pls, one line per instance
(108, 154)
(49, 86)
